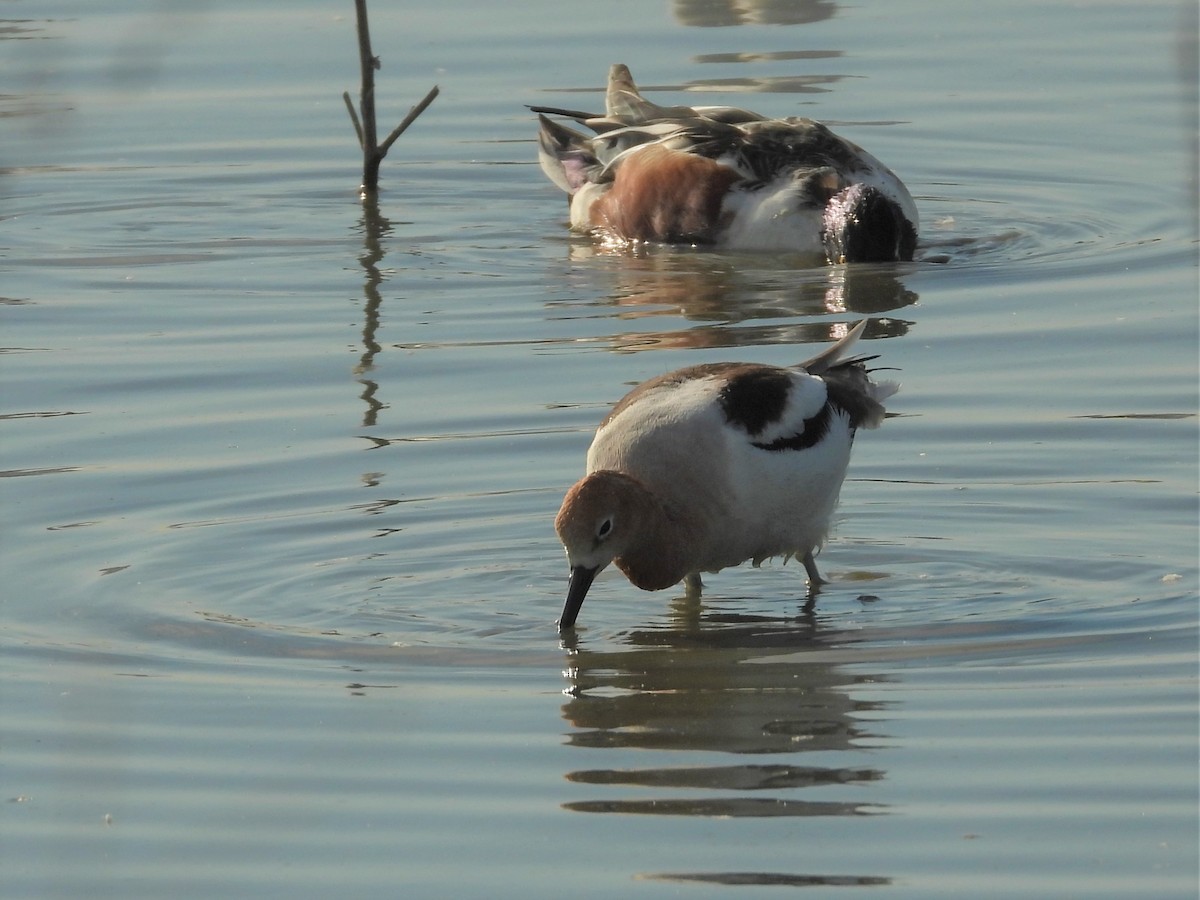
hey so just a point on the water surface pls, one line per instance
(279, 574)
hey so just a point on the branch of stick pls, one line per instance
(364, 127)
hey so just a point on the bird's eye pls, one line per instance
(604, 530)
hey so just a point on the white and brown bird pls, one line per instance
(724, 177)
(712, 465)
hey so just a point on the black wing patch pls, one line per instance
(754, 397)
(815, 428)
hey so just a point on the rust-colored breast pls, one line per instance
(665, 196)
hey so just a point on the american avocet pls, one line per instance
(725, 177)
(713, 465)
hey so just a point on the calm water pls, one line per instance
(279, 574)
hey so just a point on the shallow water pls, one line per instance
(280, 576)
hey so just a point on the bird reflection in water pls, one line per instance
(722, 682)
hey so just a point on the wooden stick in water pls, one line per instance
(364, 125)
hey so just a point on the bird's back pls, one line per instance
(754, 455)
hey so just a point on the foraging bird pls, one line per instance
(725, 177)
(709, 466)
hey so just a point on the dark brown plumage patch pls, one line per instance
(848, 387)
(815, 428)
(755, 396)
(771, 146)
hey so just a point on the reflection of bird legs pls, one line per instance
(814, 584)
(685, 609)
(693, 586)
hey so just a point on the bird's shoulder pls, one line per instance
(750, 397)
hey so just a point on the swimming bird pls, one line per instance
(715, 464)
(725, 177)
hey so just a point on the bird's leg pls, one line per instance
(692, 584)
(814, 577)
(814, 582)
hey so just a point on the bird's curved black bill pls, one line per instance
(577, 588)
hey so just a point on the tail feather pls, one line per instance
(831, 356)
(564, 155)
(624, 103)
(849, 382)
